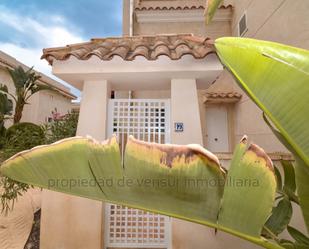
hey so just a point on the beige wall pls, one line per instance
(189, 21)
(188, 113)
(163, 94)
(126, 17)
(41, 104)
(214, 30)
(284, 21)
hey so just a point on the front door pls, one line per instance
(217, 128)
(148, 120)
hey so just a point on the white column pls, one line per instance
(93, 111)
(70, 222)
(185, 109)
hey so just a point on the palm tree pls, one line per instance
(26, 85)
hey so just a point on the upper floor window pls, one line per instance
(242, 25)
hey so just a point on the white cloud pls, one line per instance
(48, 35)
(30, 57)
(53, 35)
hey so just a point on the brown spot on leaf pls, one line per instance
(244, 139)
(260, 153)
(172, 151)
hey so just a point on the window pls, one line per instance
(242, 25)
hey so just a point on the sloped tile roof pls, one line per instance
(223, 95)
(172, 5)
(150, 47)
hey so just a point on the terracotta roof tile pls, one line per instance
(141, 5)
(223, 95)
(150, 47)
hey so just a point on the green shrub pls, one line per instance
(23, 136)
(2, 136)
(24, 127)
(19, 137)
(62, 128)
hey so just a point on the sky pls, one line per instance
(28, 26)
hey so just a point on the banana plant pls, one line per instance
(186, 182)
(276, 77)
(283, 211)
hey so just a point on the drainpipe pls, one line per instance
(131, 17)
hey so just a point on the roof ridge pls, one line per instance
(174, 5)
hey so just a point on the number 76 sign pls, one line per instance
(178, 127)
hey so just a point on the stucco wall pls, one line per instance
(214, 30)
(125, 17)
(284, 21)
(176, 21)
(48, 101)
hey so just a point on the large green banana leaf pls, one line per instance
(246, 166)
(186, 182)
(276, 77)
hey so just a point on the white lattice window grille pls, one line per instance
(146, 120)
